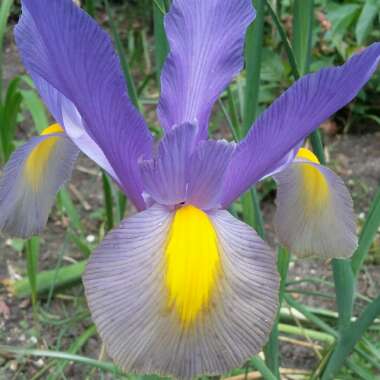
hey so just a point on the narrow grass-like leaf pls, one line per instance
(366, 19)
(64, 276)
(5, 9)
(367, 235)
(103, 365)
(123, 57)
(260, 365)
(108, 200)
(349, 338)
(69, 208)
(90, 7)
(34, 105)
(309, 333)
(9, 111)
(161, 45)
(32, 251)
(253, 55)
(81, 243)
(74, 348)
(302, 33)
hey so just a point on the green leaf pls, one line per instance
(69, 208)
(105, 366)
(161, 43)
(34, 105)
(32, 255)
(64, 276)
(367, 235)
(5, 9)
(367, 16)
(123, 57)
(303, 11)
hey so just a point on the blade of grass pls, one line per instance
(9, 111)
(312, 334)
(367, 235)
(348, 340)
(161, 43)
(32, 250)
(74, 348)
(260, 365)
(108, 201)
(34, 105)
(302, 33)
(253, 55)
(123, 57)
(90, 7)
(69, 208)
(103, 365)
(56, 270)
(272, 352)
(309, 315)
(5, 9)
(62, 277)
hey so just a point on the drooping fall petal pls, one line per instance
(208, 320)
(31, 179)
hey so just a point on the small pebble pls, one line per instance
(13, 365)
(39, 363)
(90, 238)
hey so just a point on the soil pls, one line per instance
(355, 158)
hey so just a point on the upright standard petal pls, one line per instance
(314, 215)
(206, 51)
(206, 317)
(165, 177)
(293, 116)
(62, 46)
(31, 179)
(208, 165)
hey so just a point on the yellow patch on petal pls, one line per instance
(38, 159)
(315, 189)
(192, 263)
(307, 154)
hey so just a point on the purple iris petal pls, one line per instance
(63, 46)
(165, 177)
(67, 115)
(292, 117)
(206, 173)
(25, 203)
(206, 40)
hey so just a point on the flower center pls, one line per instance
(192, 263)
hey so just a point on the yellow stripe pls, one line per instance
(38, 159)
(192, 263)
(315, 189)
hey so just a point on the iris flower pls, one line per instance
(182, 287)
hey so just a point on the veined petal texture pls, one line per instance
(314, 215)
(127, 294)
(185, 171)
(30, 181)
(293, 116)
(206, 51)
(61, 45)
(208, 166)
(165, 177)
